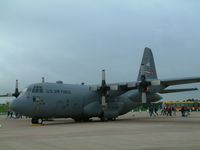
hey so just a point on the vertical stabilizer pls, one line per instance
(148, 66)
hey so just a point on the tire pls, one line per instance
(34, 120)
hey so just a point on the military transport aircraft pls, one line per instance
(106, 101)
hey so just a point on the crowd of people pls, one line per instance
(167, 110)
(12, 114)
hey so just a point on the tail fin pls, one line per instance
(149, 66)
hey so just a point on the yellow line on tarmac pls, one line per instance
(36, 125)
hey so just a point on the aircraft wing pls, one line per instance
(116, 89)
(126, 86)
(6, 95)
(177, 90)
(123, 87)
(180, 81)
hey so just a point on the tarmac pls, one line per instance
(129, 132)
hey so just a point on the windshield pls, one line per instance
(23, 92)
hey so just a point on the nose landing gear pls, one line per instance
(36, 120)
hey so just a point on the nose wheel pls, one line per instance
(36, 120)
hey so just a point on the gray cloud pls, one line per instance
(73, 40)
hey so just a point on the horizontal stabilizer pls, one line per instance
(177, 90)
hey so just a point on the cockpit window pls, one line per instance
(23, 92)
(37, 89)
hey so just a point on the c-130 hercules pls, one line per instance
(106, 101)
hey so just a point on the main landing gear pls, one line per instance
(82, 119)
(107, 119)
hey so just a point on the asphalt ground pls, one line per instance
(130, 132)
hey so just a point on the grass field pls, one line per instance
(4, 108)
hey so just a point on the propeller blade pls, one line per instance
(93, 88)
(43, 80)
(103, 78)
(142, 69)
(17, 84)
(132, 84)
(16, 94)
(155, 82)
(144, 97)
(114, 87)
(103, 101)
(104, 89)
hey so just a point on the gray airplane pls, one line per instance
(106, 101)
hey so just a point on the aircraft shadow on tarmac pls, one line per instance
(133, 120)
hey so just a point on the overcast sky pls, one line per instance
(73, 40)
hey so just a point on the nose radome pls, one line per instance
(20, 106)
(12, 105)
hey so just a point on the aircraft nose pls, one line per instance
(22, 106)
(14, 106)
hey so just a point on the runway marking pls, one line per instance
(0, 125)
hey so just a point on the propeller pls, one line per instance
(104, 90)
(144, 85)
(15, 94)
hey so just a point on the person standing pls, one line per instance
(183, 111)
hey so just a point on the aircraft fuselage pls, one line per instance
(56, 100)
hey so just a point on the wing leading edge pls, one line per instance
(177, 90)
(179, 81)
(123, 87)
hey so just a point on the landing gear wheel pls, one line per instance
(34, 120)
(112, 119)
(77, 119)
(40, 121)
(107, 119)
(81, 119)
(86, 119)
(103, 119)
